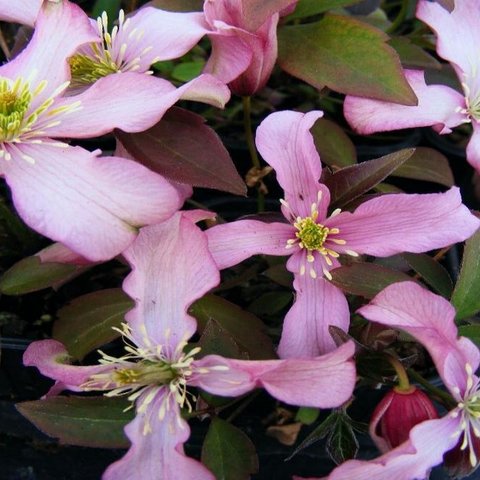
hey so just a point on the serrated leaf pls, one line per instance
(182, 148)
(228, 452)
(333, 144)
(431, 271)
(472, 332)
(411, 55)
(307, 8)
(427, 164)
(342, 444)
(366, 279)
(247, 330)
(82, 421)
(111, 7)
(86, 323)
(465, 297)
(350, 182)
(30, 275)
(345, 55)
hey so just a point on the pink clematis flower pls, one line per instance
(92, 205)
(172, 267)
(430, 319)
(439, 106)
(383, 226)
(20, 11)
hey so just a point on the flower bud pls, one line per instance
(398, 412)
(458, 462)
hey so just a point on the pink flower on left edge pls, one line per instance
(439, 106)
(92, 205)
(383, 226)
(171, 268)
(431, 320)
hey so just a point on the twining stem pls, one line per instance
(247, 124)
(403, 382)
(399, 19)
(435, 391)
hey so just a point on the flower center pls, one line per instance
(15, 99)
(144, 373)
(312, 235)
(88, 69)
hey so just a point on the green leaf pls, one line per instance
(366, 279)
(465, 297)
(342, 444)
(30, 275)
(411, 55)
(183, 149)
(279, 274)
(307, 415)
(470, 331)
(82, 421)
(228, 452)
(270, 303)
(111, 7)
(350, 182)
(178, 5)
(215, 340)
(186, 71)
(307, 8)
(247, 330)
(431, 271)
(345, 55)
(333, 144)
(427, 164)
(86, 323)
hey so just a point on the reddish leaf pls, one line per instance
(347, 56)
(412, 55)
(183, 149)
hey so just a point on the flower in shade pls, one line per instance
(92, 205)
(431, 320)
(439, 106)
(315, 240)
(171, 268)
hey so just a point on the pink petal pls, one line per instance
(132, 102)
(92, 205)
(158, 453)
(61, 27)
(473, 147)
(397, 223)
(458, 36)
(58, 253)
(285, 142)
(20, 11)
(318, 304)
(230, 55)
(52, 359)
(431, 320)
(411, 460)
(171, 269)
(231, 243)
(322, 382)
(437, 106)
(167, 35)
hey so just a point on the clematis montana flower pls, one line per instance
(439, 106)
(92, 205)
(171, 268)
(383, 226)
(430, 319)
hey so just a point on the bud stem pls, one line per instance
(403, 382)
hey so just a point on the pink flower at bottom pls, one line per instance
(431, 320)
(171, 268)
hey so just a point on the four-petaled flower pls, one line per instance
(439, 106)
(383, 226)
(431, 320)
(172, 267)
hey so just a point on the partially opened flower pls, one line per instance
(383, 226)
(431, 320)
(92, 205)
(172, 267)
(439, 106)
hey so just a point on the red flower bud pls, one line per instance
(457, 462)
(397, 413)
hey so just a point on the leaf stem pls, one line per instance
(443, 396)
